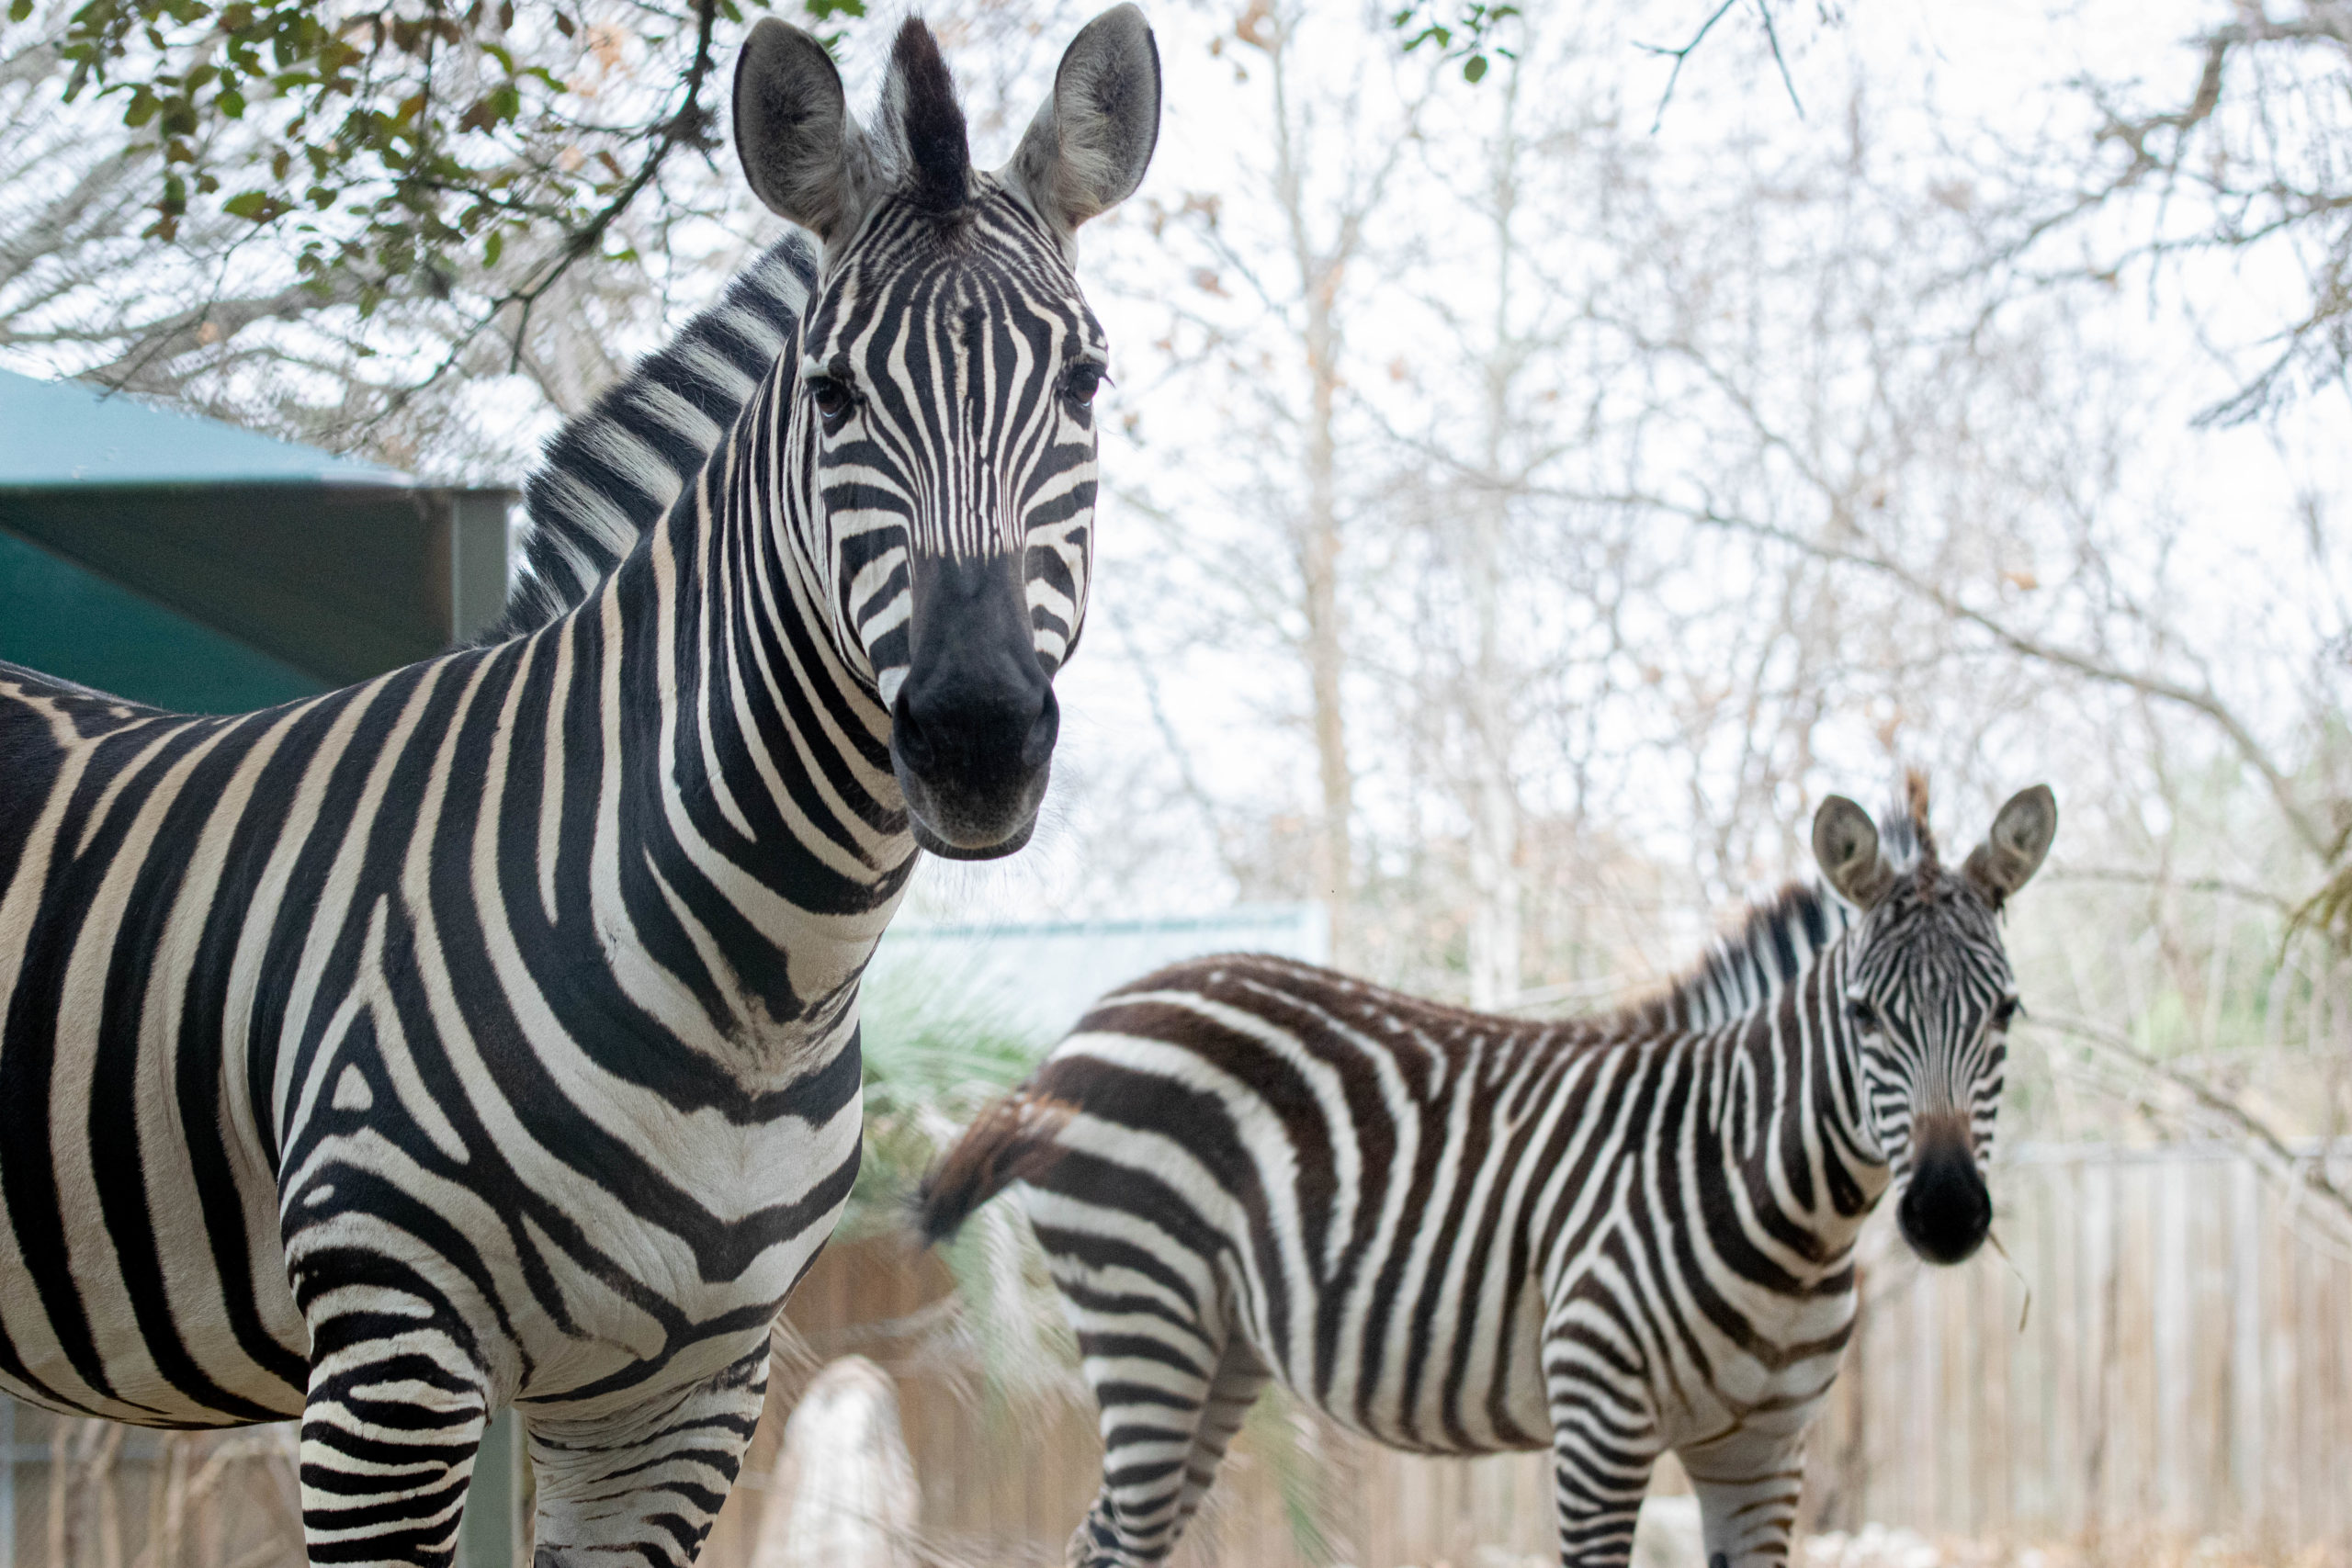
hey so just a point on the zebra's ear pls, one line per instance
(2012, 851)
(793, 129)
(1087, 147)
(1845, 845)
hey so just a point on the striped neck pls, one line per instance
(1766, 1008)
(757, 803)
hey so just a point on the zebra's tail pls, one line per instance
(1013, 1140)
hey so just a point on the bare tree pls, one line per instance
(1264, 337)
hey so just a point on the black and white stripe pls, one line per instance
(1460, 1233)
(487, 1033)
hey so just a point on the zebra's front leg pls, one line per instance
(645, 1486)
(390, 1426)
(1603, 1447)
(1748, 1484)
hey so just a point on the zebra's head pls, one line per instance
(943, 403)
(1929, 997)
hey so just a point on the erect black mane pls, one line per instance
(1773, 943)
(939, 152)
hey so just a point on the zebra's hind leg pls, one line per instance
(1747, 1485)
(1241, 1377)
(1158, 1386)
(644, 1487)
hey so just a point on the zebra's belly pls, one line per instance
(1467, 1380)
(121, 1310)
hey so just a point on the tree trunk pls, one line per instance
(1494, 934)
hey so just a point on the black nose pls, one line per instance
(972, 728)
(1946, 1210)
(979, 740)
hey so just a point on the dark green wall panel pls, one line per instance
(58, 618)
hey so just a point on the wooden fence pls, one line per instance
(2170, 1357)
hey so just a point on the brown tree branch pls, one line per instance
(2297, 1172)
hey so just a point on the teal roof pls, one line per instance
(63, 433)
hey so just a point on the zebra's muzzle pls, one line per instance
(1946, 1210)
(973, 728)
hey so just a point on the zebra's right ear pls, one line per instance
(793, 129)
(1092, 141)
(1845, 845)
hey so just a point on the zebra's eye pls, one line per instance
(2004, 1012)
(1864, 1015)
(1084, 379)
(833, 400)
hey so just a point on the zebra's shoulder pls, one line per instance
(610, 472)
(1763, 952)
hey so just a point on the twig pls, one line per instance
(689, 123)
(2295, 1171)
(1680, 55)
(2245, 891)
(2205, 701)
(1771, 34)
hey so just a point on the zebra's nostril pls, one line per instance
(1037, 748)
(907, 737)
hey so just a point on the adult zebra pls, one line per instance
(488, 1031)
(1460, 1233)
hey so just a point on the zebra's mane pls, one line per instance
(1776, 941)
(610, 473)
(1770, 947)
(1748, 964)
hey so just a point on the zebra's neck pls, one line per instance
(1765, 1010)
(760, 843)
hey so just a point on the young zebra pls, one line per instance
(488, 1032)
(1459, 1234)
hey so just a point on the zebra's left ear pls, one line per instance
(2012, 851)
(1087, 147)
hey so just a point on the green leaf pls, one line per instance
(254, 206)
(1473, 68)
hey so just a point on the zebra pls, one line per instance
(486, 1035)
(1460, 1233)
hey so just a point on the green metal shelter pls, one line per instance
(198, 567)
